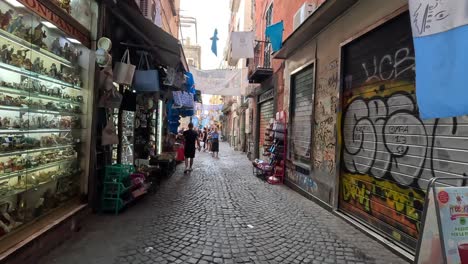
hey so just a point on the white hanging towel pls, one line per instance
(242, 44)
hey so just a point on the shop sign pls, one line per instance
(58, 21)
(266, 96)
(445, 231)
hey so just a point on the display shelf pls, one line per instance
(34, 131)
(28, 151)
(14, 192)
(37, 95)
(38, 111)
(6, 176)
(37, 76)
(34, 48)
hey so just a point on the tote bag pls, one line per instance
(109, 136)
(124, 70)
(146, 80)
(110, 99)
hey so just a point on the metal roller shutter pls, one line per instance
(302, 102)
(266, 113)
(386, 155)
(389, 154)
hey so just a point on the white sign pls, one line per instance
(435, 16)
(220, 82)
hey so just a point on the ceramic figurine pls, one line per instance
(66, 52)
(19, 58)
(38, 36)
(5, 19)
(27, 64)
(56, 48)
(65, 5)
(16, 24)
(36, 67)
(4, 54)
(53, 72)
(23, 32)
(75, 54)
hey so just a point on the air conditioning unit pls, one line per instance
(148, 8)
(303, 13)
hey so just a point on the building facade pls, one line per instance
(235, 110)
(192, 53)
(345, 77)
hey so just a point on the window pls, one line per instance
(191, 61)
(267, 47)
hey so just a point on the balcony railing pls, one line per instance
(260, 66)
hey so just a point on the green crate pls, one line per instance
(114, 205)
(114, 189)
(118, 173)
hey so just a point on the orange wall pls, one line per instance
(170, 20)
(282, 10)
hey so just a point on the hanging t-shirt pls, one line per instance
(275, 34)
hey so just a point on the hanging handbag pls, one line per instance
(146, 80)
(109, 136)
(124, 70)
(177, 97)
(106, 79)
(129, 101)
(110, 99)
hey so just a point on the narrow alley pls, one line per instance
(220, 213)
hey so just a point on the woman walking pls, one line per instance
(215, 143)
(205, 138)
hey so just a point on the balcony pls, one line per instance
(260, 67)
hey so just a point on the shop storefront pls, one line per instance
(385, 141)
(138, 112)
(301, 115)
(46, 98)
(265, 117)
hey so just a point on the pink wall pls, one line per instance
(282, 10)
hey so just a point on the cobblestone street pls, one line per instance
(220, 213)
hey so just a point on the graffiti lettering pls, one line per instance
(373, 198)
(390, 66)
(376, 142)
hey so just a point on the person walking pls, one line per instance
(205, 138)
(215, 142)
(191, 138)
(209, 139)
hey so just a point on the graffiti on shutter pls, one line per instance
(389, 154)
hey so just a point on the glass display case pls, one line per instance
(44, 79)
(128, 119)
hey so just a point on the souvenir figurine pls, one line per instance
(16, 24)
(38, 36)
(53, 72)
(27, 64)
(5, 19)
(65, 5)
(75, 54)
(5, 57)
(56, 48)
(18, 58)
(23, 32)
(36, 67)
(66, 52)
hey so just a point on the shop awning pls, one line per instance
(166, 49)
(323, 16)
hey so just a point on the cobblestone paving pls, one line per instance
(221, 213)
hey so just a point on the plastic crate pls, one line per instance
(114, 205)
(114, 189)
(118, 173)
